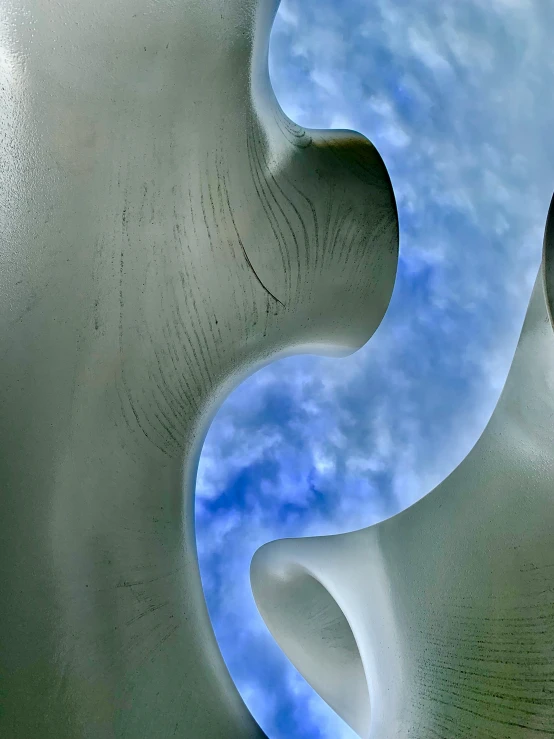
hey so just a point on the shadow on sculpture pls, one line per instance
(449, 605)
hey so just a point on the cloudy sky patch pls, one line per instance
(457, 98)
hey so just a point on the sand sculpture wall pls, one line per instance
(165, 229)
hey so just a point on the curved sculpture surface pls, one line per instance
(166, 229)
(439, 622)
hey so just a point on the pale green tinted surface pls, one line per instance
(451, 602)
(165, 229)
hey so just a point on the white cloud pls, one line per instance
(423, 45)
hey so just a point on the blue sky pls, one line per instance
(457, 97)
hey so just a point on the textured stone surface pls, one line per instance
(165, 230)
(439, 622)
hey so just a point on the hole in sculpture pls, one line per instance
(245, 499)
(278, 450)
(313, 631)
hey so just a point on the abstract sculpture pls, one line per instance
(165, 231)
(439, 622)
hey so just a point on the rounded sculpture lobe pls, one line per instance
(314, 632)
(451, 601)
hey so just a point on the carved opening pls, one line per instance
(314, 633)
